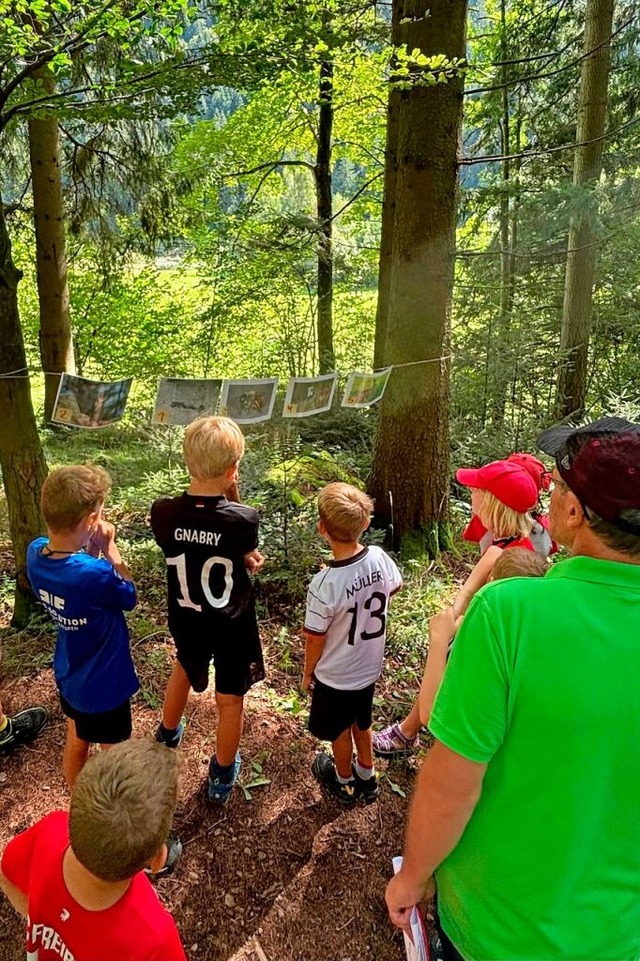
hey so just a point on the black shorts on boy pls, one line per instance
(105, 727)
(334, 711)
(236, 655)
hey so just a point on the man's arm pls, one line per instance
(16, 896)
(448, 789)
(314, 646)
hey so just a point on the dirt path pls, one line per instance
(284, 876)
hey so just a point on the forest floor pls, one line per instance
(281, 872)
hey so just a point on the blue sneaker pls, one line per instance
(219, 788)
(169, 739)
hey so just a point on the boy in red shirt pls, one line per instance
(78, 877)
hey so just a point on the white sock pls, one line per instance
(343, 780)
(365, 773)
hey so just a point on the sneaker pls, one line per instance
(22, 728)
(391, 742)
(174, 852)
(367, 789)
(219, 787)
(324, 771)
(170, 740)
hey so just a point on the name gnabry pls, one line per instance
(197, 537)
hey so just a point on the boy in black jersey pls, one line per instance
(210, 546)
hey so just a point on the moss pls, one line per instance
(302, 477)
(427, 542)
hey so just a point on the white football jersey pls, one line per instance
(347, 603)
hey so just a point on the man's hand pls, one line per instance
(254, 561)
(402, 896)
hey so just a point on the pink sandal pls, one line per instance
(391, 742)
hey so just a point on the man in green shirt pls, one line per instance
(526, 808)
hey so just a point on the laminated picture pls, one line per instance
(248, 401)
(365, 389)
(90, 403)
(309, 395)
(181, 400)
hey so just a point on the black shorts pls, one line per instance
(333, 711)
(237, 661)
(105, 727)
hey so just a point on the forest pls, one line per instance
(211, 191)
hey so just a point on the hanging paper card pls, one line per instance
(90, 403)
(309, 395)
(365, 389)
(416, 946)
(248, 401)
(181, 400)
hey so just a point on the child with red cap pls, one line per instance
(502, 495)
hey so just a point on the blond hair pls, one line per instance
(122, 807)
(344, 511)
(211, 446)
(519, 562)
(501, 520)
(70, 493)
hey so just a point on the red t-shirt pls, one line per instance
(136, 928)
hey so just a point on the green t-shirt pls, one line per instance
(543, 684)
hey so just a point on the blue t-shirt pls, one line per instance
(86, 597)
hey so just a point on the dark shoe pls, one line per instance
(169, 739)
(22, 728)
(174, 852)
(324, 771)
(219, 786)
(367, 789)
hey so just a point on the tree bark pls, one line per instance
(411, 459)
(21, 456)
(324, 201)
(577, 307)
(56, 344)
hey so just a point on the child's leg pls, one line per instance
(230, 719)
(76, 752)
(343, 754)
(175, 697)
(411, 725)
(364, 747)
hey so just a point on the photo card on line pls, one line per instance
(90, 403)
(362, 389)
(309, 395)
(180, 400)
(248, 401)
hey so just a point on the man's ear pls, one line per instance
(159, 859)
(575, 515)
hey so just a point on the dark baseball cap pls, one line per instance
(600, 462)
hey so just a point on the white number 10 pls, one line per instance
(181, 569)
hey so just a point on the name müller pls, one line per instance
(197, 537)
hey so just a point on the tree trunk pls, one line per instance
(56, 345)
(388, 203)
(21, 457)
(581, 254)
(324, 201)
(411, 459)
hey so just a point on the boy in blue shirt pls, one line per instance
(86, 595)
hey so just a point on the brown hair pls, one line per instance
(211, 446)
(70, 493)
(519, 562)
(345, 511)
(501, 520)
(122, 807)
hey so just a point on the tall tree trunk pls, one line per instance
(411, 459)
(56, 345)
(324, 201)
(388, 202)
(21, 457)
(581, 254)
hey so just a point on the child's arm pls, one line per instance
(476, 579)
(104, 539)
(16, 896)
(442, 628)
(314, 646)
(254, 561)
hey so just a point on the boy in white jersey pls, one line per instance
(344, 629)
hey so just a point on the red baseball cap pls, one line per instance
(534, 467)
(509, 482)
(600, 462)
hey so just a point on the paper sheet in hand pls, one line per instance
(419, 950)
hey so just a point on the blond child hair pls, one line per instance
(211, 446)
(345, 511)
(501, 520)
(122, 807)
(70, 493)
(519, 562)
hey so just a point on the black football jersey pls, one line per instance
(204, 540)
